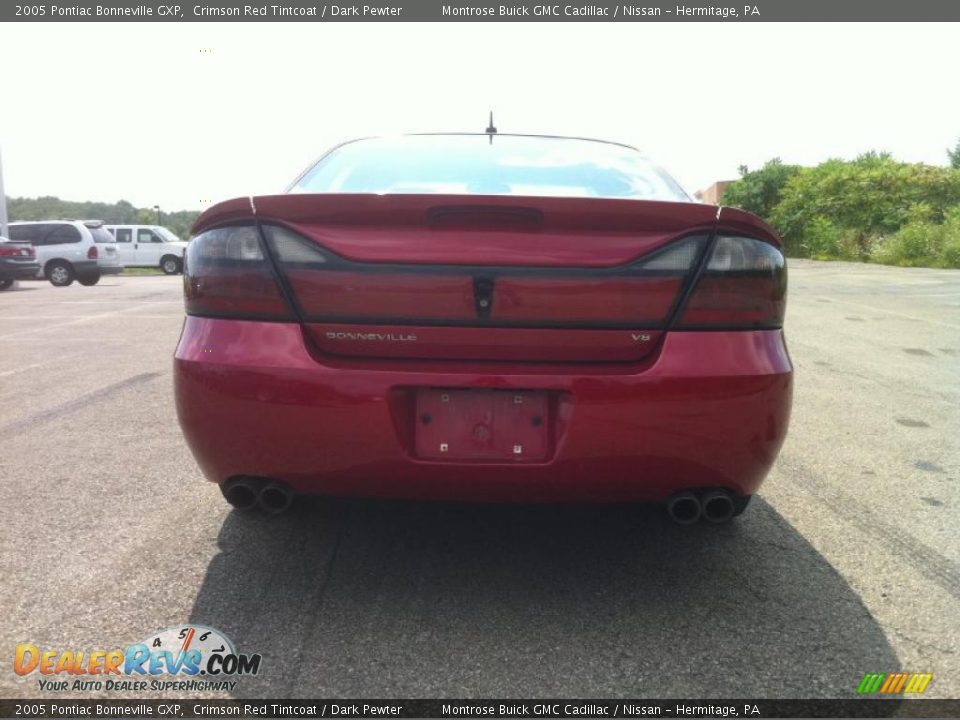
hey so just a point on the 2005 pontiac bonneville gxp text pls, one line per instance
(485, 317)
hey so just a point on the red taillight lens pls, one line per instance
(92, 253)
(226, 274)
(14, 250)
(744, 285)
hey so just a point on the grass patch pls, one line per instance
(142, 271)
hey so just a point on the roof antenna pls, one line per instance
(491, 128)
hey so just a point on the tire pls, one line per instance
(170, 265)
(6, 284)
(88, 280)
(60, 273)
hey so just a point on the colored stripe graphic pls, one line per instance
(870, 683)
(894, 683)
(918, 682)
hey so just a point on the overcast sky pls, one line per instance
(140, 112)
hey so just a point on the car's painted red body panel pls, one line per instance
(705, 409)
(582, 232)
(472, 343)
(634, 410)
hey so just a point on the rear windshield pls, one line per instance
(24, 233)
(19, 233)
(101, 234)
(477, 165)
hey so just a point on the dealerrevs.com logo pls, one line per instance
(186, 657)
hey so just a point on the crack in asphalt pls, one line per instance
(924, 559)
(17, 427)
(923, 646)
(321, 591)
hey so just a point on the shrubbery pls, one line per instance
(760, 191)
(923, 243)
(872, 208)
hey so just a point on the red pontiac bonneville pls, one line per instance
(485, 317)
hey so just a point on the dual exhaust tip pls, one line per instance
(716, 506)
(247, 493)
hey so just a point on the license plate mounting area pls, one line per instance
(482, 425)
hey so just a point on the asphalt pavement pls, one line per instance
(847, 562)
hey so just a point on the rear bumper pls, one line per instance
(110, 269)
(707, 409)
(17, 270)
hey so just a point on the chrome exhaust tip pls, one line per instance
(275, 498)
(717, 506)
(684, 508)
(242, 492)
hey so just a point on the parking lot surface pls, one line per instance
(848, 562)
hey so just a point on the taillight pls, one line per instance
(11, 250)
(744, 285)
(92, 253)
(226, 274)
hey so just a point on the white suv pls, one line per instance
(69, 250)
(149, 246)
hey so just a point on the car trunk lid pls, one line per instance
(481, 277)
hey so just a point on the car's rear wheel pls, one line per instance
(91, 279)
(6, 284)
(170, 265)
(60, 273)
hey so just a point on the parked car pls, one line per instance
(149, 246)
(17, 262)
(69, 250)
(485, 318)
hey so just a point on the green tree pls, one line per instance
(871, 196)
(759, 191)
(954, 156)
(146, 216)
